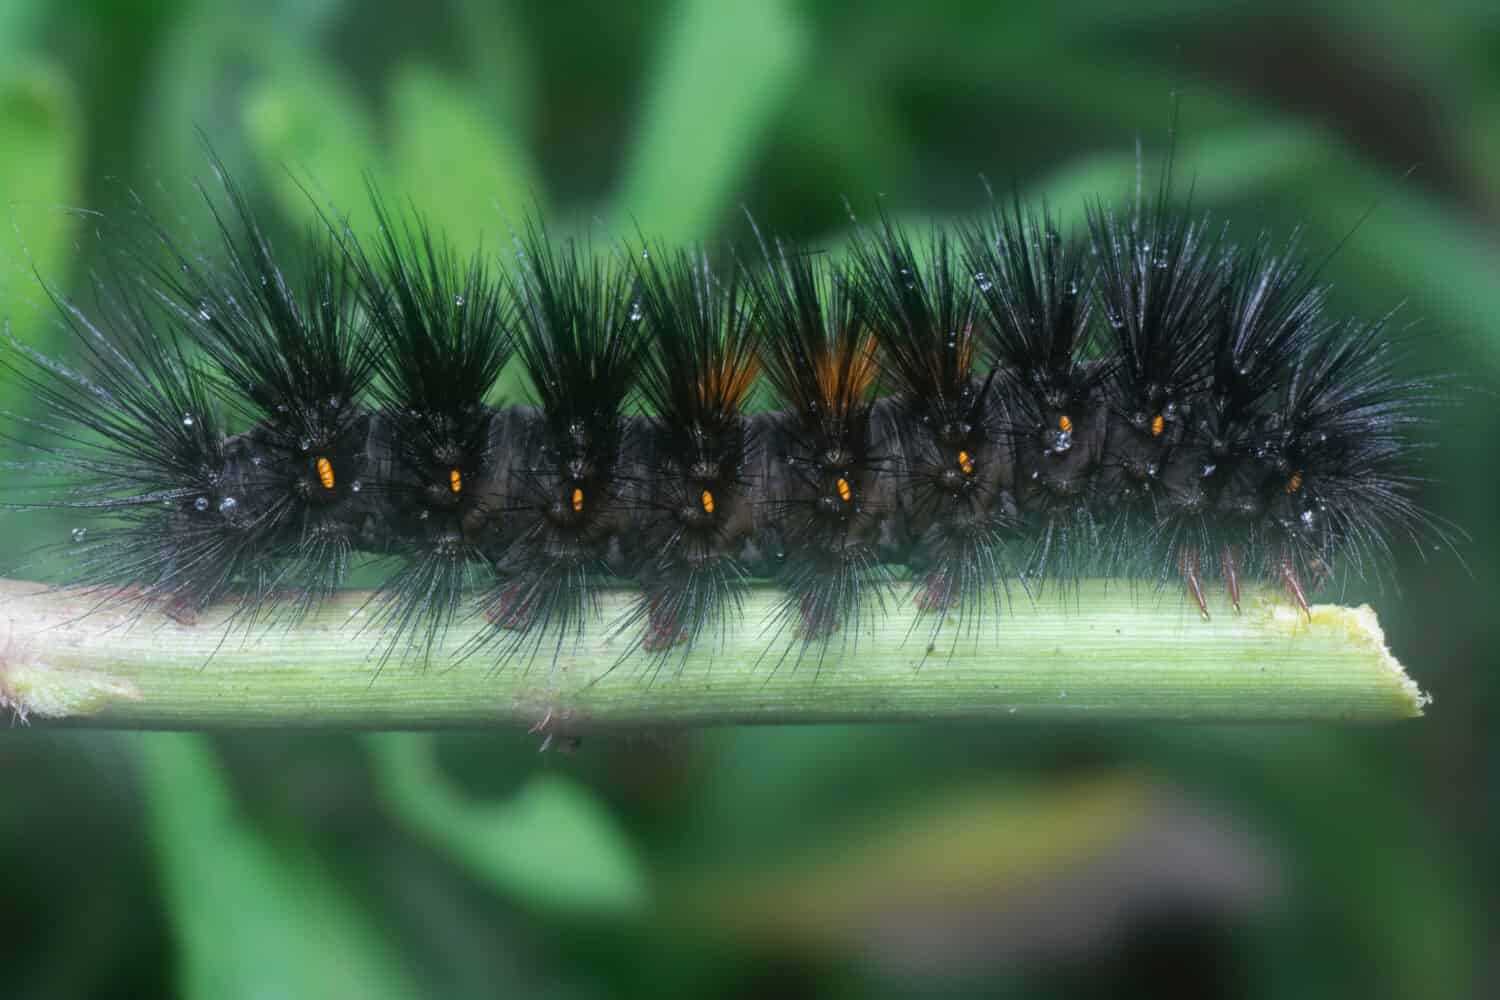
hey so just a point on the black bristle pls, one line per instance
(699, 507)
(953, 454)
(443, 330)
(136, 434)
(1035, 288)
(820, 359)
(1160, 277)
(292, 358)
(570, 485)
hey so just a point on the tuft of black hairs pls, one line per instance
(953, 456)
(136, 433)
(1160, 278)
(290, 358)
(570, 487)
(1342, 449)
(1220, 477)
(819, 356)
(443, 330)
(699, 509)
(1035, 288)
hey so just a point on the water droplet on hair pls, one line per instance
(201, 503)
(458, 300)
(79, 534)
(227, 505)
(635, 311)
(983, 281)
(356, 486)
(304, 444)
(187, 420)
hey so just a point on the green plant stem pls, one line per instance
(1105, 651)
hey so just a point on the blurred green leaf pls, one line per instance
(553, 844)
(19, 22)
(252, 919)
(1392, 913)
(501, 60)
(723, 71)
(454, 162)
(41, 182)
(314, 141)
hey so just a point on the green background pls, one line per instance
(881, 861)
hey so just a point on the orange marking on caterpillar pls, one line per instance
(844, 376)
(325, 472)
(1295, 483)
(1158, 424)
(966, 463)
(1065, 423)
(577, 500)
(455, 480)
(707, 500)
(846, 492)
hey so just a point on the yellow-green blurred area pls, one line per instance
(1000, 860)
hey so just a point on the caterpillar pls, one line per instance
(957, 418)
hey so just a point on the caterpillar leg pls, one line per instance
(663, 629)
(182, 609)
(817, 621)
(1230, 561)
(1293, 585)
(515, 609)
(1187, 565)
(936, 594)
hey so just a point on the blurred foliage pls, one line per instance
(661, 864)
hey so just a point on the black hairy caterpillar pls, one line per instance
(994, 405)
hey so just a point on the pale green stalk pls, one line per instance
(1105, 652)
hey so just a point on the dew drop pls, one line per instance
(201, 503)
(635, 311)
(983, 281)
(79, 534)
(227, 505)
(304, 444)
(187, 420)
(356, 486)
